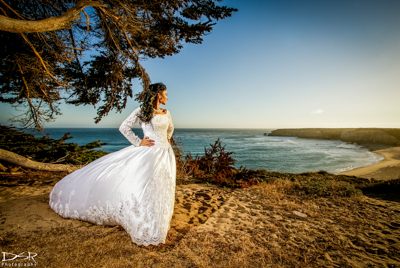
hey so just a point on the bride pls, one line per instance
(133, 187)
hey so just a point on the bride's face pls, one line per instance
(164, 97)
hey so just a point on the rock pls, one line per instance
(297, 213)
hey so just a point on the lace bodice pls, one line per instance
(159, 129)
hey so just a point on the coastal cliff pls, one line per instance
(387, 136)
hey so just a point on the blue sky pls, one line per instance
(279, 64)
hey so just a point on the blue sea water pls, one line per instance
(251, 148)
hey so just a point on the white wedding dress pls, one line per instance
(133, 187)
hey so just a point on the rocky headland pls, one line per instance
(386, 136)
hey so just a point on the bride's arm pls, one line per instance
(126, 128)
(170, 130)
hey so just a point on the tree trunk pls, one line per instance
(26, 163)
(50, 24)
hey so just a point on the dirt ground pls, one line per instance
(261, 226)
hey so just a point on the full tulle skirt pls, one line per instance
(133, 187)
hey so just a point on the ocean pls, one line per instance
(252, 149)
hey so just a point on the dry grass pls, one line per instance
(354, 231)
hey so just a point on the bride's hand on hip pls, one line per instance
(147, 142)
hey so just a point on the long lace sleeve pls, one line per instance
(126, 128)
(170, 130)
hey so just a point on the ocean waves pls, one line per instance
(251, 148)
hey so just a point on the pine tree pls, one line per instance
(87, 52)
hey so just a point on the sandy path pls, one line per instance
(387, 169)
(26, 208)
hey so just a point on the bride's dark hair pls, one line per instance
(147, 98)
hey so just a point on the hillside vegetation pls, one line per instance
(387, 136)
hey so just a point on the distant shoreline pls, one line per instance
(383, 136)
(382, 141)
(387, 169)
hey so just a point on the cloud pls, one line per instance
(319, 111)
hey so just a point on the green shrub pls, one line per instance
(326, 187)
(49, 150)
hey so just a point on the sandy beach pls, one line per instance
(387, 169)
